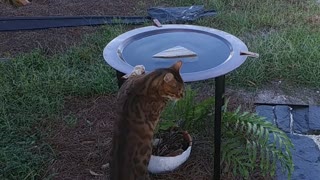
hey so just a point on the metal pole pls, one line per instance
(219, 102)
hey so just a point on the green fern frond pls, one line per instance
(189, 112)
(255, 131)
(246, 137)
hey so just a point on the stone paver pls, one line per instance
(306, 159)
(314, 118)
(282, 116)
(300, 120)
(266, 111)
(306, 152)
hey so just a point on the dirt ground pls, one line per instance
(81, 142)
(59, 39)
(82, 149)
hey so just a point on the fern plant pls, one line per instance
(187, 113)
(248, 138)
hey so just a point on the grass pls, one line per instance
(33, 86)
(291, 55)
(281, 31)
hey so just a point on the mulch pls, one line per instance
(70, 8)
(56, 40)
(82, 148)
(81, 142)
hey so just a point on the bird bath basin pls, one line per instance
(212, 52)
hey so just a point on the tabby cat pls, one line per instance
(17, 2)
(141, 99)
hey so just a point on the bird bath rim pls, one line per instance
(113, 51)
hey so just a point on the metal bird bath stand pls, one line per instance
(206, 53)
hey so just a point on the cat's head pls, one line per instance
(173, 85)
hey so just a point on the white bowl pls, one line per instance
(162, 164)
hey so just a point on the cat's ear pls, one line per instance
(168, 77)
(177, 66)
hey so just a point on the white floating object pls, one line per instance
(175, 52)
(137, 70)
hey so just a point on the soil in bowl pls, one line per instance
(171, 142)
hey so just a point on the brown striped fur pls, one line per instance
(141, 99)
(17, 2)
